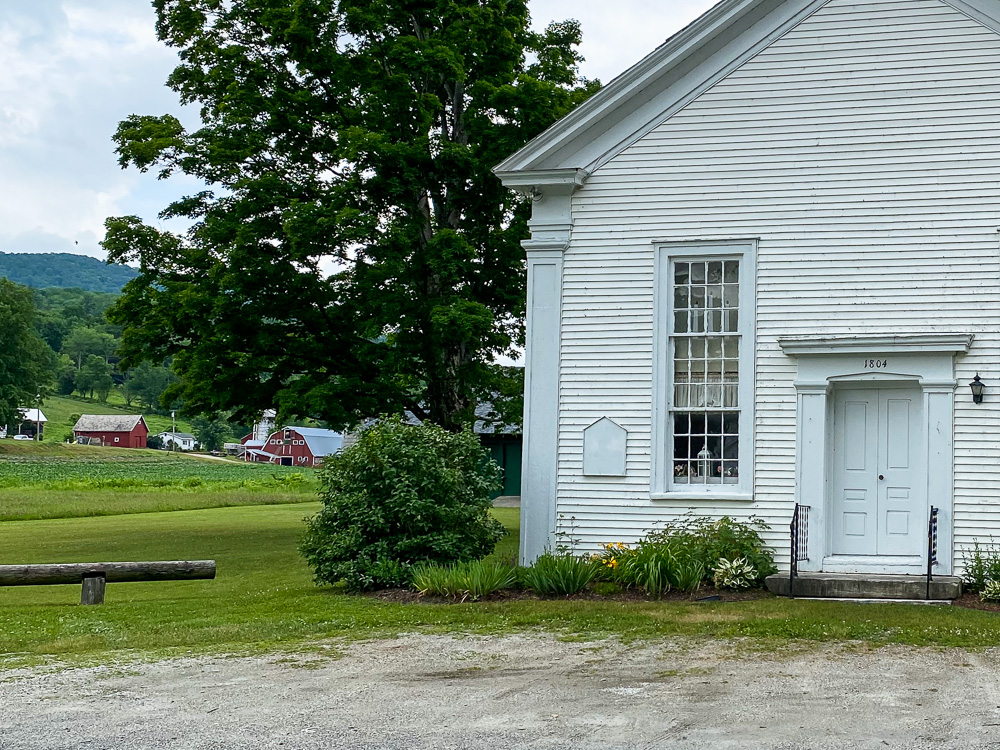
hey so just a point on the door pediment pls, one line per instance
(927, 359)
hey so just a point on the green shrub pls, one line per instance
(402, 495)
(686, 553)
(559, 575)
(710, 541)
(982, 564)
(470, 580)
(734, 574)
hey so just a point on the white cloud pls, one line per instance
(617, 35)
(70, 70)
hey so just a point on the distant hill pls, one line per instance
(42, 270)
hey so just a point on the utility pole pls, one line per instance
(173, 429)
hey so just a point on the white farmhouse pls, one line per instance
(764, 270)
(178, 441)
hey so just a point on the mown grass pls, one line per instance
(264, 599)
(26, 504)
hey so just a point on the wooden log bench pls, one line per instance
(95, 576)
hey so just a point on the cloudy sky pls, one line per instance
(70, 70)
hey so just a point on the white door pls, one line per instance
(878, 508)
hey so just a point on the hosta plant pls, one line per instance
(734, 574)
(990, 592)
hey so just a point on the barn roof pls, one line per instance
(320, 442)
(107, 422)
(488, 422)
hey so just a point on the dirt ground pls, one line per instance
(517, 692)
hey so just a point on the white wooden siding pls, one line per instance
(863, 150)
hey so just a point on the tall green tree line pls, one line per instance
(26, 361)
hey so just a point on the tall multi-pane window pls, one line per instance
(705, 403)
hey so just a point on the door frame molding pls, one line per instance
(826, 363)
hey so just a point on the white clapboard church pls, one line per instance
(764, 269)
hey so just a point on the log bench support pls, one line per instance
(93, 589)
(96, 576)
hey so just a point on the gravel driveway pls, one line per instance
(516, 692)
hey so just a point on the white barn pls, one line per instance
(764, 268)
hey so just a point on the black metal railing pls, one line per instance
(932, 547)
(800, 543)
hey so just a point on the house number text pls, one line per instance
(876, 364)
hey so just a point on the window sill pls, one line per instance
(731, 495)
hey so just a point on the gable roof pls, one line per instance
(687, 64)
(108, 422)
(32, 415)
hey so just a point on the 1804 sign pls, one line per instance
(876, 364)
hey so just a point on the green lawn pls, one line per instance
(263, 598)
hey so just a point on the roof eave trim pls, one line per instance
(551, 181)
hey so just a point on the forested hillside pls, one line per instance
(43, 270)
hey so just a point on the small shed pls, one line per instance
(115, 430)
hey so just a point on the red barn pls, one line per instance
(297, 446)
(115, 430)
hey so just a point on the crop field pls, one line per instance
(62, 481)
(144, 470)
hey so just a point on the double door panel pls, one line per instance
(877, 499)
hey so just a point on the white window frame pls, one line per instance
(662, 486)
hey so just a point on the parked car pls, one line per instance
(23, 437)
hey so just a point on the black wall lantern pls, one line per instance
(977, 387)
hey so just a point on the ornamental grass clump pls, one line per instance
(463, 581)
(559, 575)
(656, 567)
(400, 496)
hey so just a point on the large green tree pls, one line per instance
(148, 383)
(94, 377)
(26, 362)
(355, 255)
